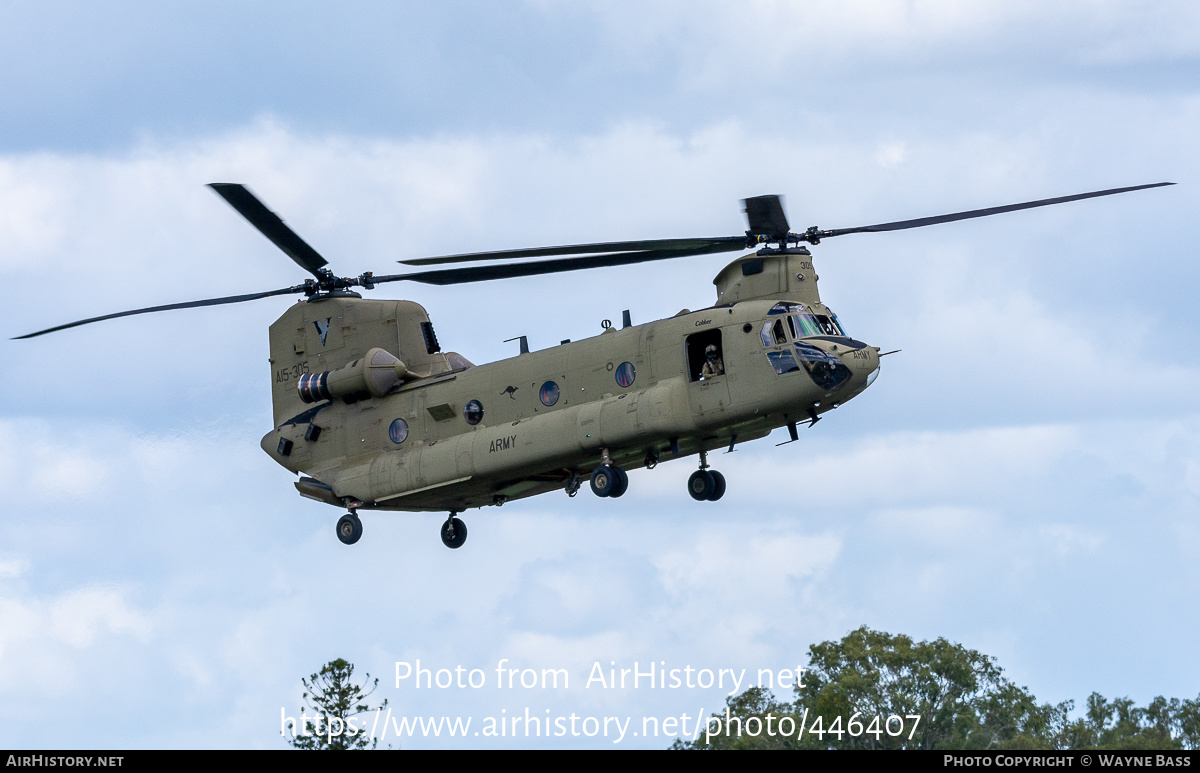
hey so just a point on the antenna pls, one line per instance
(524, 343)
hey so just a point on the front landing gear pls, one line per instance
(705, 484)
(454, 533)
(609, 480)
(349, 528)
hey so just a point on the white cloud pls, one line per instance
(45, 468)
(869, 36)
(1067, 539)
(942, 526)
(41, 637)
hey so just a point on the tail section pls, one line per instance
(328, 334)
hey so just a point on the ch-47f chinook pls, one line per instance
(373, 415)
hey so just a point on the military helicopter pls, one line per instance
(373, 415)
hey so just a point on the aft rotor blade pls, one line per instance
(168, 307)
(450, 276)
(765, 215)
(900, 225)
(271, 226)
(700, 246)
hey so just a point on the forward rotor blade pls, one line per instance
(271, 226)
(450, 276)
(678, 245)
(900, 225)
(168, 307)
(765, 214)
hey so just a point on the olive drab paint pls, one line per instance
(627, 396)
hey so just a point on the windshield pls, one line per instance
(815, 325)
(801, 322)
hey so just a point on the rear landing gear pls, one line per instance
(349, 528)
(454, 532)
(706, 485)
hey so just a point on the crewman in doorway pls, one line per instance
(713, 365)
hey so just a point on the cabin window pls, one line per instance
(473, 412)
(548, 394)
(625, 374)
(398, 432)
(705, 358)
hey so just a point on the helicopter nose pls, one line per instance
(863, 362)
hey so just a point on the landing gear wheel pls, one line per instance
(719, 488)
(622, 482)
(454, 533)
(604, 480)
(349, 529)
(701, 485)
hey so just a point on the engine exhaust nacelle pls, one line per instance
(373, 375)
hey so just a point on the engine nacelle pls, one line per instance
(373, 375)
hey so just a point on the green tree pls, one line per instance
(1119, 724)
(756, 703)
(961, 696)
(333, 702)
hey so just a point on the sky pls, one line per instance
(1023, 478)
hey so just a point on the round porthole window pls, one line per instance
(549, 394)
(625, 374)
(398, 432)
(473, 412)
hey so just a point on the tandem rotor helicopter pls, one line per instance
(373, 415)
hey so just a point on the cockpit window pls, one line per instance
(827, 326)
(801, 323)
(807, 324)
(815, 325)
(826, 370)
(783, 362)
(772, 333)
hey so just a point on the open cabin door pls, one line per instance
(708, 386)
